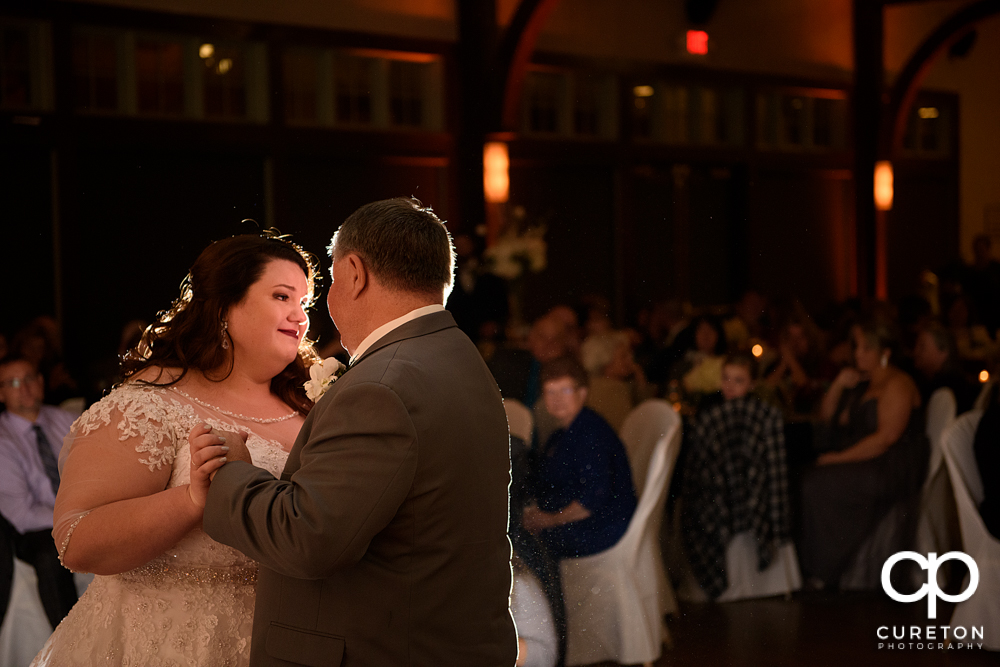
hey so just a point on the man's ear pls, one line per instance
(357, 275)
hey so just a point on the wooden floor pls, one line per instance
(814, 630)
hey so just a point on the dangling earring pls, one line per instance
(225, 335)
(885, 360)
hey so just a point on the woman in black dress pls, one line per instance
(874, 454)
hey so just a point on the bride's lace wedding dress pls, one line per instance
(192, 605)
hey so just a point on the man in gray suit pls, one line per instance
(385, 540)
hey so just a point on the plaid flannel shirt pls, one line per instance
(735, 479)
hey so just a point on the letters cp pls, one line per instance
(930, 589)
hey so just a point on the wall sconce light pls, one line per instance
(496, 166)
(883, 185)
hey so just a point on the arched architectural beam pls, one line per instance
(514, 53)
(904, 90)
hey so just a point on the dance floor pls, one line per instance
(810, 630)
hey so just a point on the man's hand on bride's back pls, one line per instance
(210, 450)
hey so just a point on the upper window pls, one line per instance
(569, 104)
(363, 88)
(168, 76)
(24, 75)
(676, 113)
(159, 77)
(95, 71)
(802, 119)
(930, 127)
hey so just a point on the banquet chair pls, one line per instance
(616, 599)
(983, 608)
(25, 627)
(937, 524)
(519, 420)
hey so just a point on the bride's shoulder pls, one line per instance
(143, 394)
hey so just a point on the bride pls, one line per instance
(231, 355)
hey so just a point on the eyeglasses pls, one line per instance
(17, 383)
(561, 391)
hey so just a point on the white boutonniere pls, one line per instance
(322, 374)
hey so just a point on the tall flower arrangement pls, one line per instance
(520, 250)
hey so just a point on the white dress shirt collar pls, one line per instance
(379, 333)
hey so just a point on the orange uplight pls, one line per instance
(697, 42)
(496, 179)
(883, 185)
(984, 376)
(757, 350)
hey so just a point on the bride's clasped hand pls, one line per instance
(210, 450)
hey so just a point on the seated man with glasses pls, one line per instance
(31, 435)
(583, 481)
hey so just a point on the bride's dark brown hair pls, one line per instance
(190, 334)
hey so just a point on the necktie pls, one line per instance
(48, 458)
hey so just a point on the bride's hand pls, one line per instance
(208, 454)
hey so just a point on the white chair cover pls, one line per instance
(983, 608)
(782, 576)
(937, 525)
(519, 420)
(614, 599)
(25, 627)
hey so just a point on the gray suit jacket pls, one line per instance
(385, 540)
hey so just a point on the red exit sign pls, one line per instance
(697, 42)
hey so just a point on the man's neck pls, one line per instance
(29, 415)
(391, 309)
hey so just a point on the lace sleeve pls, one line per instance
(123, 447)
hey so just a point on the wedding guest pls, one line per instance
(934, 359)
(617, 383)
(972, 340)
(518, 372)
(795, 375)
(982, 283)
(987, 450)
(6, 565)
(747, 320)
(570, 319)
(478, 301)
(106, 373)
(31, 437)
(41, 345)
(700, 368)
(735, 478)
(597, 315)
(530, 556)
(739, 370)
(664, 322)
(537, 645)
(583, 484)
(874, 454)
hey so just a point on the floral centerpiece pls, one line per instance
(520, 249)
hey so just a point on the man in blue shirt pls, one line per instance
(31, 436)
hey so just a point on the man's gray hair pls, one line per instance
(402, 242)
